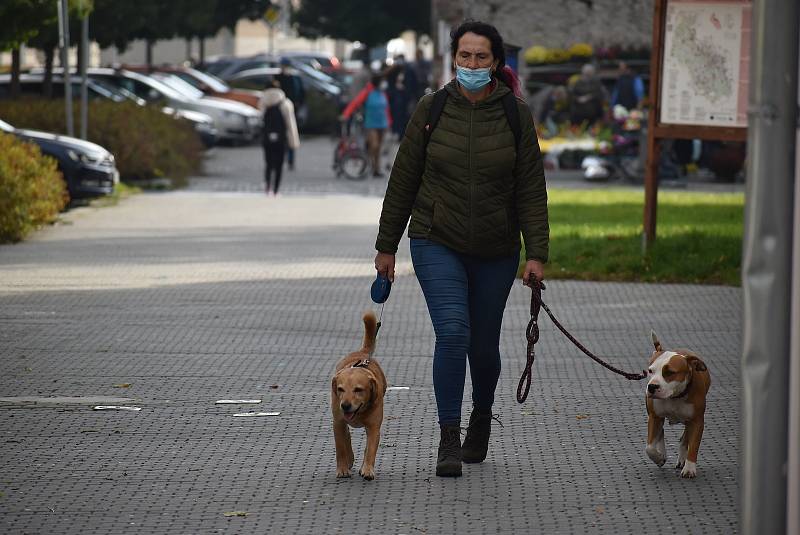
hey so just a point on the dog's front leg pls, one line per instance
(344, 449)
(656, 449)
(682, 449)
(694, 433)
(371, 451)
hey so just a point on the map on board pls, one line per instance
(705, 72)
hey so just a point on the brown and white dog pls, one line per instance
(357, 391)
(678, 382)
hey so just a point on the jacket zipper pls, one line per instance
(471, 183)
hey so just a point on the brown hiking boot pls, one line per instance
(448, 461)
(476, 443)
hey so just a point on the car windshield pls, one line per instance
(314, 73)
(160, 86)
(5, 127)
(178, 84)
(214, 83)
(218, 66)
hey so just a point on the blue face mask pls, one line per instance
(473, 80)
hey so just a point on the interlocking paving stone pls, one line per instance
(259, 299)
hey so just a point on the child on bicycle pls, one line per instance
(377, 117)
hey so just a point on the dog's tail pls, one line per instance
(370, 332)
(656, 343)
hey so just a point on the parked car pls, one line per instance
(326, 63)
(209, 84)
(227, 67)
(98, 89)
(234, 121)
(89, 169)
(33, 85)
(261, 77)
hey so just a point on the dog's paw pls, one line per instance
(681, 462)
(689, 470)
(657, 456)
(342, 472)
(367, 472)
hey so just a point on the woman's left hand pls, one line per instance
(533, 270)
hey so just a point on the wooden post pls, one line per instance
(651, 167)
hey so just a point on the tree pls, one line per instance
(370, 21)
(46, 39)
(205, 18)
(22, 20)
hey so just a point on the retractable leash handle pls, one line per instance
(379, 292)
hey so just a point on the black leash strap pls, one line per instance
(532, 334)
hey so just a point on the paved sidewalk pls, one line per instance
(194, 297)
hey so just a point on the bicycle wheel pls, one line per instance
(354, 165)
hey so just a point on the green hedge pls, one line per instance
(146, 142)
(32, 191)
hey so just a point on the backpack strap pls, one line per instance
(512, 116)
(435, 111)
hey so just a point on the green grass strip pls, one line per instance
(597, 235)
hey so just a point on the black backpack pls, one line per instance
(274, 129)
(440, 97)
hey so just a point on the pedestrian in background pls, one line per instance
(292, 86)
(587, 97)
(469, 191)
(377, 118)
(278, 133)
(628, 89)
(402, 90)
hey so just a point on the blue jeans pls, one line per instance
(466, 297)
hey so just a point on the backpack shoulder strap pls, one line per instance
(512, 116)
(435, 111)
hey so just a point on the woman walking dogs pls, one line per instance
(469, 174)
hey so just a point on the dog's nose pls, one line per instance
(346, 407)
(652, 387)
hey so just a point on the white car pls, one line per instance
(234, 121)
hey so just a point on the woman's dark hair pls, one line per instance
(376, 80)
(488, 31)
(484, 29)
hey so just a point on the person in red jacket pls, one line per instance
(377, 118)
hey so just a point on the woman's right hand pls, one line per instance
(384, 265)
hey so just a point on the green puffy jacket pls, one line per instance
(473, 192)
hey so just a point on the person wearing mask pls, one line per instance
(469, 190)
(278, 133)
(377, 118)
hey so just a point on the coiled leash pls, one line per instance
(532, 334)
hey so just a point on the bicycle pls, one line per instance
(350, 159)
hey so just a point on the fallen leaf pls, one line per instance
(122, 385)
(600, 509)
(235, 513)
(274, 386)
(581, 416)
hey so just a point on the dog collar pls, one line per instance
(361, 364)
(684, 393)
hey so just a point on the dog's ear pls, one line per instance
(656, 343)
(373, 389)
(333, 385)
(696, 364)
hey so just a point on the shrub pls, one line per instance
(32, 190)
(146, 143)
